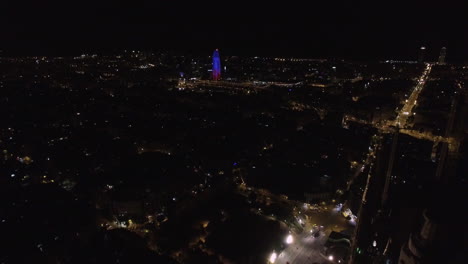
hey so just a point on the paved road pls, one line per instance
(407, 108)
(309, 249)
(305, 249)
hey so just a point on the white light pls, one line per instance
(330, 257)
(272, 257)
(374, 244)
(289, 239)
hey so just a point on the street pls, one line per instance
(305, 249)
(309, 249)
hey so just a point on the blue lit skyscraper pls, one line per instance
(216, 65)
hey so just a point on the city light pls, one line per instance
(272, 258)
(347, 212)
(216, 66)
(182, 140)
(338, 207)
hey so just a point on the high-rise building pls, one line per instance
(216, 65)
(421, 54)
(424, 246)
(443, 53)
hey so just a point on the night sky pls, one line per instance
(322, 29)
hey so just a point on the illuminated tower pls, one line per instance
(443, 52)
(216, 66)
(422, 51)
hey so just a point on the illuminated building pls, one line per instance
(216, 65)
(422, 51)
(443, 52)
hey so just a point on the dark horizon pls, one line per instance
(358, 30)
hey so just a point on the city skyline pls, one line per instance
(177, 132)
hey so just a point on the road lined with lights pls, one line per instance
(401, 121)
(374, 145)
(407, 109)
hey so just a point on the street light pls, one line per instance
(272, 257)
(330, 257)
(289, 239)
